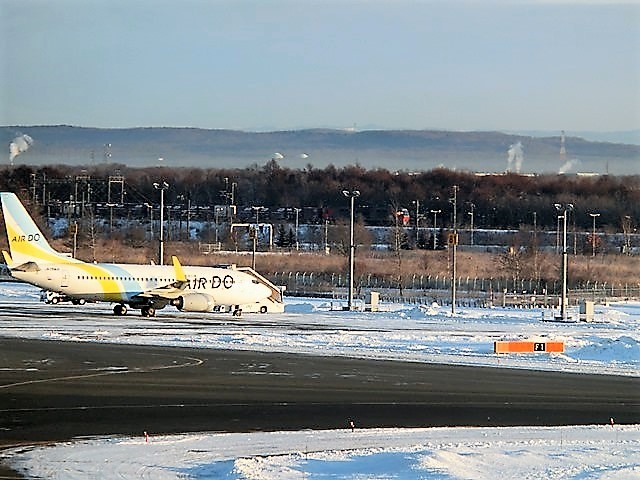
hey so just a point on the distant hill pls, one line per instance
(391, 149)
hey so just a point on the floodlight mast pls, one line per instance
(593, 235)
(352, 195)
(162, 187)
(565, 209)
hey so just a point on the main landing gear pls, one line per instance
(120, 309)
(146, 311)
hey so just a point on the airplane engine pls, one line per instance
(194, 302)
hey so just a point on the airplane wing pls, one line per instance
(173, 290)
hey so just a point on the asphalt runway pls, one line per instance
(58, 390)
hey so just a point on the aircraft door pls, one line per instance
(64, 281)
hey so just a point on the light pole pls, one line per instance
(435, 226)
(472, 206)
(110, 205)
(417, 202)
(254, 235)
(565, 209)
(558, 233)
(162, 187)
(453, 242)
(150, 208)
(626, 231)
(352, 195)
(75, 239)
(593, 236)
(297, 213)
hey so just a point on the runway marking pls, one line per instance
(267, 405)
(192, 362)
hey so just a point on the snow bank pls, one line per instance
(480, 453)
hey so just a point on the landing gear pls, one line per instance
(148, 311)
(120, 309)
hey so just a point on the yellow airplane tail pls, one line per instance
(26, 241)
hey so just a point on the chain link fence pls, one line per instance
(428, 288)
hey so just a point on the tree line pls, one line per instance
(499, 201)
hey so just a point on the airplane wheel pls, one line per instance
(263, 309)
(120, 309)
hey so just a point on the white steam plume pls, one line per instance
(516, 157)
(568, 165)
(19, 145)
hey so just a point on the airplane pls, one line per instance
(139, 286)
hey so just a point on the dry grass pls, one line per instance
(610, 268)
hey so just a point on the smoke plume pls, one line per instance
(516, 157)
(568, 165)
(19, 145)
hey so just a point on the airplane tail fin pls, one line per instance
(26, 241)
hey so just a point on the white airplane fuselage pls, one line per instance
(112, 282)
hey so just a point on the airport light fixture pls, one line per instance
(593, 236)
(565, 209)
(352, 195)
(162, 186)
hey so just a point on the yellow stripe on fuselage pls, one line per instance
(112, 289)
(115, 282)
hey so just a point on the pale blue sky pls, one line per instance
(262, 65)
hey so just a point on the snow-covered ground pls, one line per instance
(609, 345)
(586, 452)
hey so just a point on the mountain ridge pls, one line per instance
(405, 149)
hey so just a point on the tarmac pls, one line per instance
(54, 391)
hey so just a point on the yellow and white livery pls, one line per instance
(147, 287)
